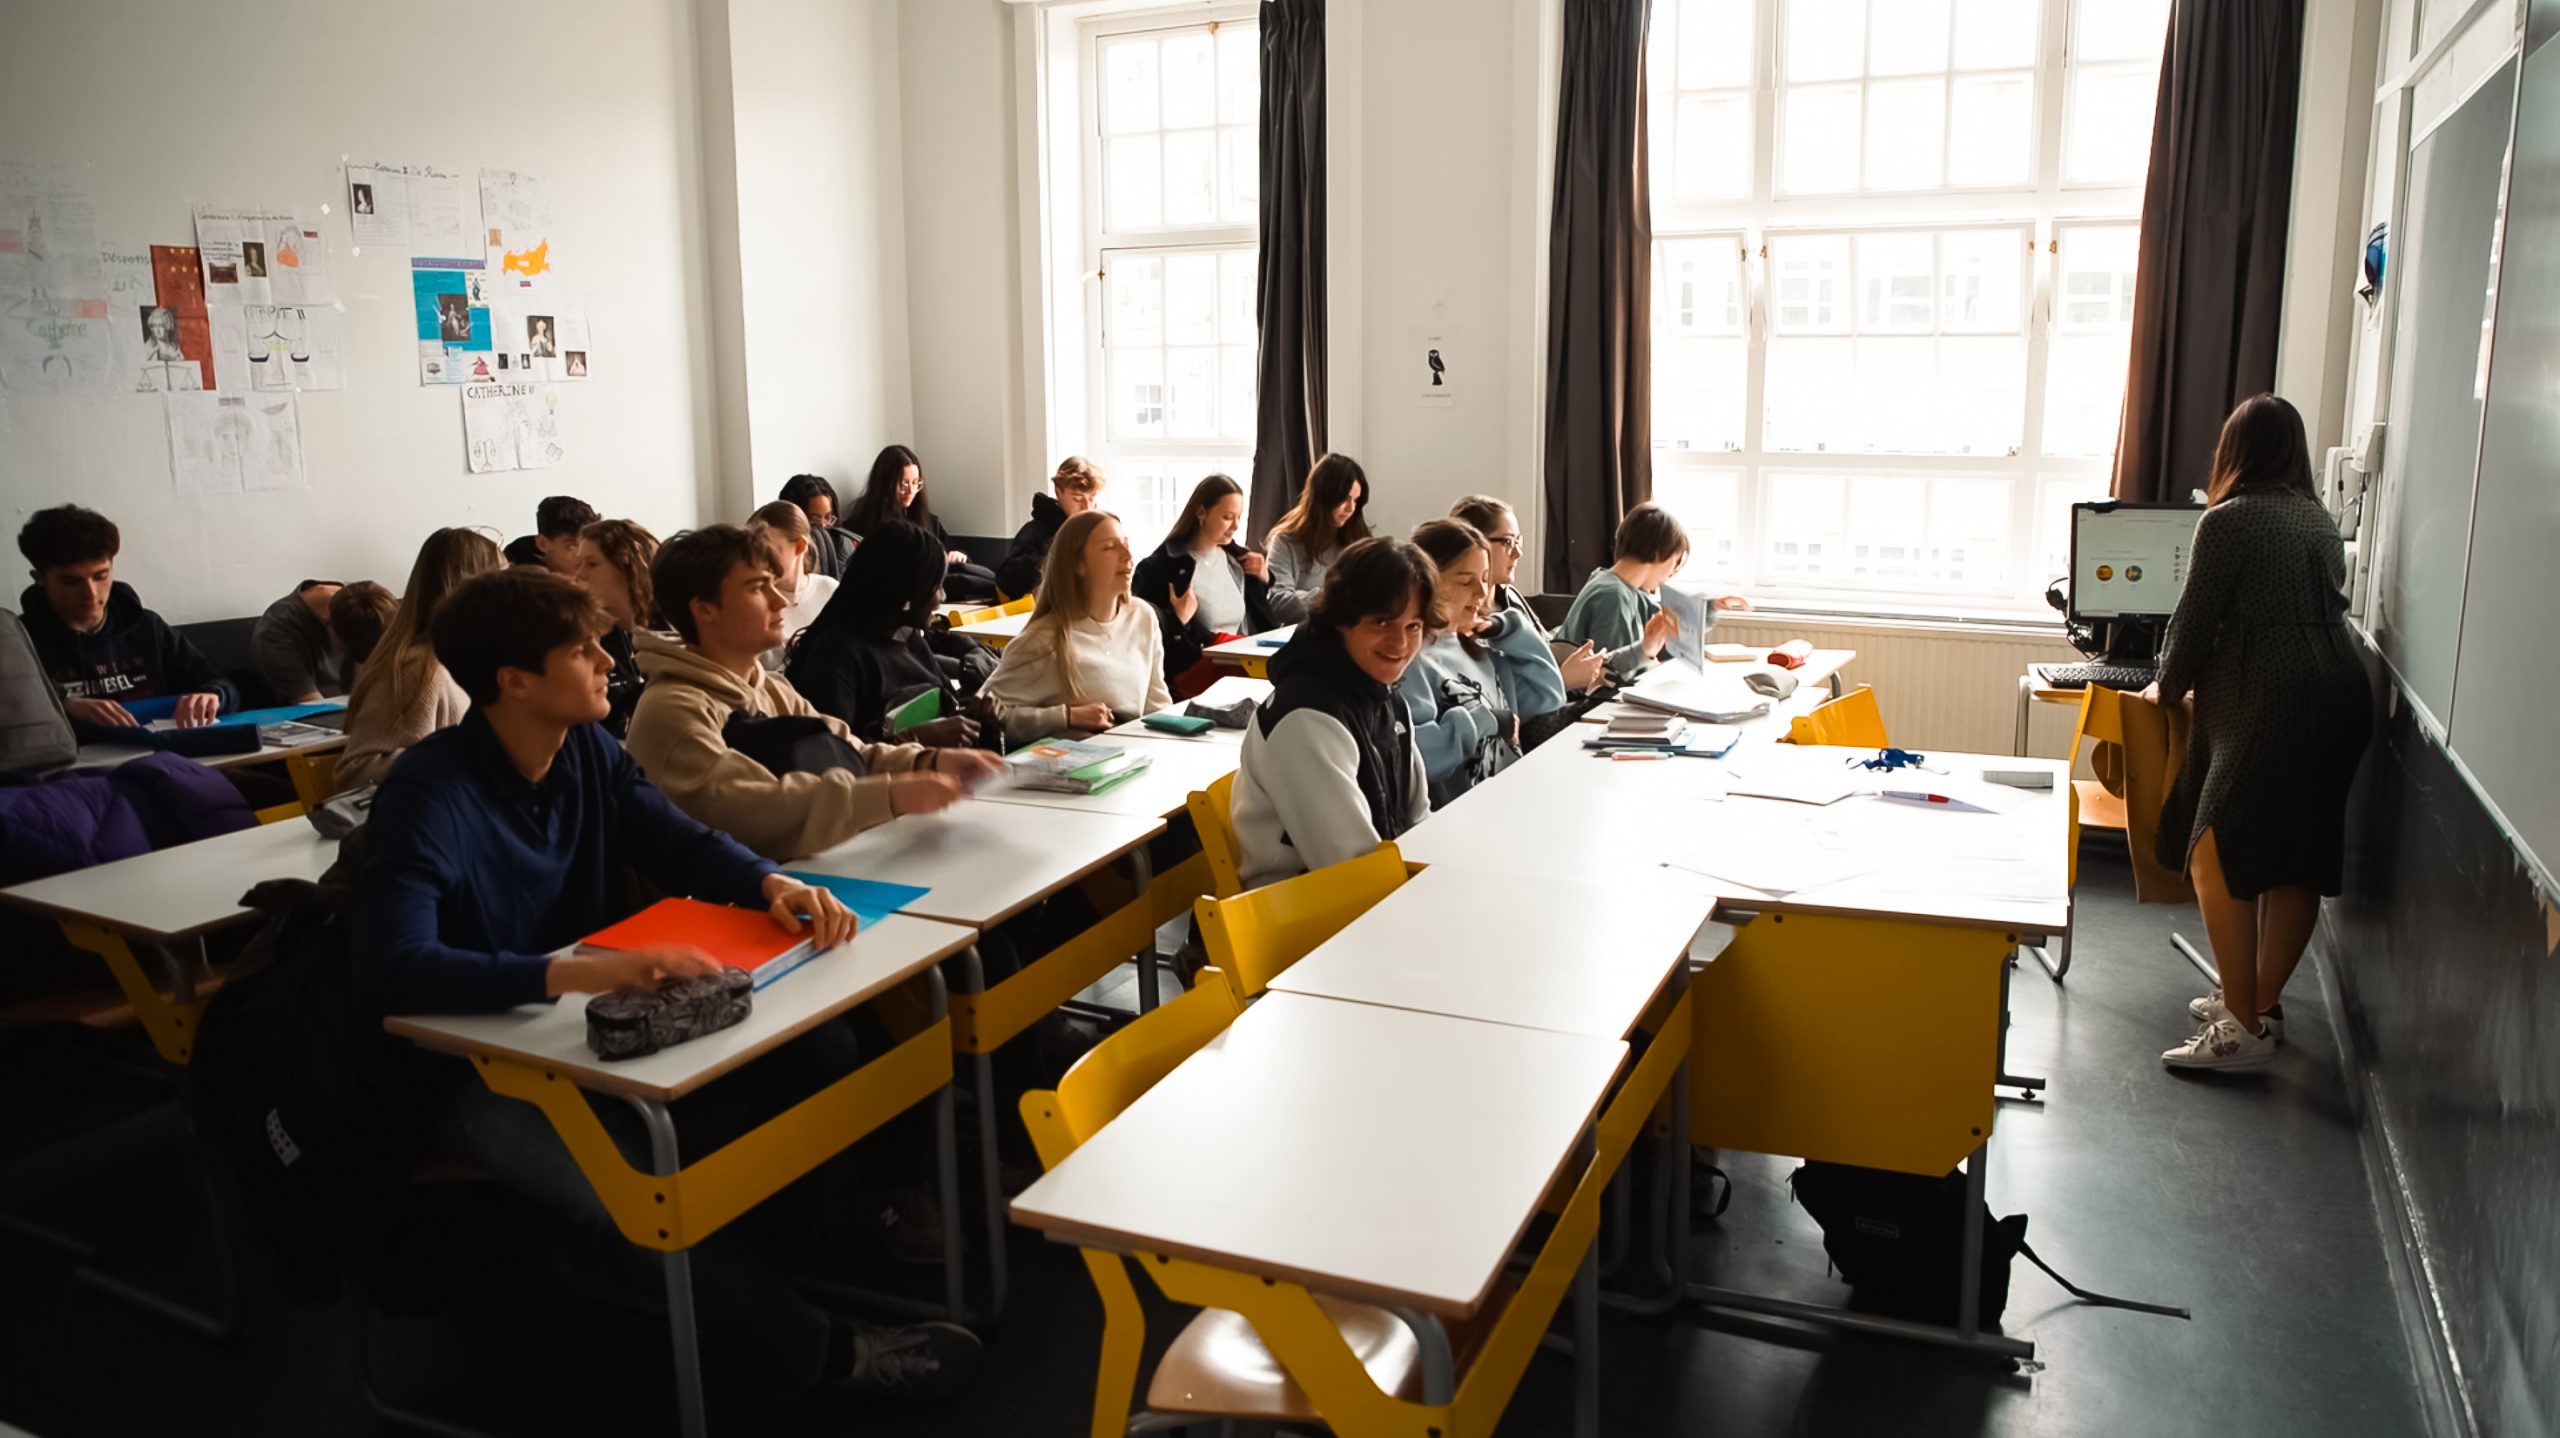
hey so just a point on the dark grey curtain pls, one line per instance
(2210, 288)
(1288, 426)
(1599, 460)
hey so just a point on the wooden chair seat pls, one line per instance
(2098, 808)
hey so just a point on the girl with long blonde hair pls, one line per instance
(1090, 655)
(404, 695)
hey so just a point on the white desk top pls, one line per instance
(1179, 766)
(1373, 1153)
(999, 631)
(1227, 690)
(554, 1035)
(1728, 684)
(1252, 645)
(982, 862)
(107, 756)
(1565, 954)
(173, 893)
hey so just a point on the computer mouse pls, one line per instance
(1777, 684)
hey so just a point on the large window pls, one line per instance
(1893, 286)
(1170, 199)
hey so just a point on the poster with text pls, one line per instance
(451, 298)
(177, 334)
(56, 327)
(417, 208)
(293, 347)
(511, 425)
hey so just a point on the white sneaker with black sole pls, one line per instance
(2202, 1011)
(2223, 1043)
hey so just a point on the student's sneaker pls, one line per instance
(919, 1360)
(2222, 1044)
(2202, 1011)
(908, 1222)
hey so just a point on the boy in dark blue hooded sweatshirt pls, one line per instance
(99, 646)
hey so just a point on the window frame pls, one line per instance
(2043, 210)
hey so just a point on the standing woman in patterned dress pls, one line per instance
(2259, 647)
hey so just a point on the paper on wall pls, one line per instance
(56, 327)
(264, 254)
(176, 333)
(417, 207)
(451, 303)
(233, 444)
(511, 425)
(131, 293)
(294, 347)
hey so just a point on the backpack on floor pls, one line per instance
(292, 1086)
(35, 733)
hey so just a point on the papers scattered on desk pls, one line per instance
(1785, 852)
(1796, 783)
(1682, 689)
(1975, 879)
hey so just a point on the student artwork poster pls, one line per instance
(453, 325)
(56, 326)
(264, 254)
(511, 426)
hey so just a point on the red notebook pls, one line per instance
(738, 938)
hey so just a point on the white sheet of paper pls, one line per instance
(1975, 878)
(57, 328)
(294, 347)
(377, 206)
(131, 290)
(1795, 783)
(228, 444)
(511, 425)
(1694, 616)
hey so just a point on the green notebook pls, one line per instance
(922, 709)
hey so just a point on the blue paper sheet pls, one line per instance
(282, 713)
(870, 899)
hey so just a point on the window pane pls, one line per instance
(2120, 29)
(1821, 141)
(1708, 504)
(2084, 392)
(1810, 285)
(1982, 395)
(1996, 34)
(1887, 522)
(1968, 533)
(1239, 75)
(2110, 126)
(2051, 558)
(1236, 298)
(1137, 393)
(1896, 404)
(1897, 283)
(1714, 43)
(1908, 37)
(2096, 267)
(1137, 301)
(1191, 299)
(1190, 81)
(1236, 401)
(1826, 39)
(1991, 131)
(1134, 183)
(1698, 387)
(1812, 392)
(1983, 280)
(1698, 286)
(1129, 86)
(1802, 529)
(1239, 175)
(1190, 177)
(1906, 135)
(1712, 147)
(1192, 393)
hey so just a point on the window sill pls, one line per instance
(1951, 618)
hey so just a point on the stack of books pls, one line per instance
(743, 939)
(1075, 766)
(1645, 731)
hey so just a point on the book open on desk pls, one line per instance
(1075, 766)
(742, 939)
(1685, 689)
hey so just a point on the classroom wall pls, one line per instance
(226, 101)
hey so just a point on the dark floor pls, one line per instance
(2241, 1197)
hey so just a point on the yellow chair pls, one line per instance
(280, 813)
(1851, 721)
(1254, 937)
(966, 617)
(1017, 606)
(1213, 817)
(1217, 1367)
(315, 777)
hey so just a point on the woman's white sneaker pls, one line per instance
(2222, 1044)
(2202, 1011)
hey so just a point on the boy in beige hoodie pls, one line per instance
(716, 586)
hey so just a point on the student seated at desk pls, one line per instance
(404, 695)
(297, 654)
(709, 700)
(1332, 513)
(614, 556)
(1583, 666)
(1090, 656)
(1329, 768)
(1477, 680)
(1620, 608)
(804, 592)
(896, 491)
(494, 846)
(870, 655)
(553, 545)
(1205, 587)
(830, 544)
(1076, 485)
(357, 616)
(97, 643)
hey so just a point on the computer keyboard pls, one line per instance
(2105, 676)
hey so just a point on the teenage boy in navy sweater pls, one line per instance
(496, 845)
(99, 646)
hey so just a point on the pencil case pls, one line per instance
(633, 1023)
(1791, 655)
(1223, 716)
(1189, 726)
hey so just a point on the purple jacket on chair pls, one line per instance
(154, 802)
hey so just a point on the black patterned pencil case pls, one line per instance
(631, 1023)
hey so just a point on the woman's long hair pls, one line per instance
(1059, 601)
(1204, 495)
(404, 662)
(1447, 541)
(878, 505)
(2261, 449)
(1335, 478)
(628, 546)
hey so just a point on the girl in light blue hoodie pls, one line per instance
(1472, 684)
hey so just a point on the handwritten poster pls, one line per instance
(293, 347)
(511, 425)
(417, 208)
(56, 328)
(234, 444)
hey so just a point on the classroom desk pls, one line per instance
(538, 1053)
(1178, 766)
(1251, 655)
(1226, 691)
(999, 631)
(1366, 1153)
(1817, 679)
(980, 864)
(2033, 689)
(108, 756)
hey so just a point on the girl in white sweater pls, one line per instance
(1090, 657)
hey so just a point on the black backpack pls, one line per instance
(293, 1086)
(1898, 1239)
(35, 733)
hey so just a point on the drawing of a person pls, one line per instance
(577, 362)
(538, 329)
(364, 199)
(160, 335)
(253, 259)
(453, 313)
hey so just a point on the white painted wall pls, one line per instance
(219, 101)
(821, 241)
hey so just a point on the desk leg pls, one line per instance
(2026, 701)
(946, 1173)
(1142, 872)
(1439, 1366)
(2031, 1090)
(681, 1328)
(1969, 1282)
(973, 975)
(1586, 1316)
